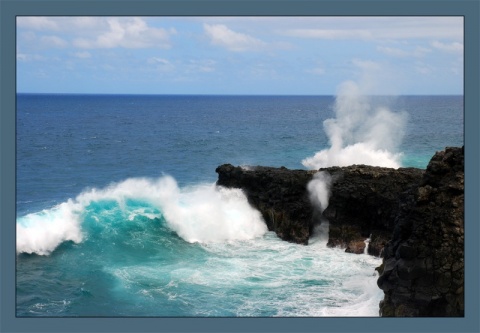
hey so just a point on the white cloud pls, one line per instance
(396, 52)
(156, 60)
(424, 69)
(367, 65)
(454, 47)
(85, 22)
(161, 64)
(421, 51)
(41, 73)
(53, 41)
(22, 57)
(221, 35)
(317, 71)
(203, 66)
(37, 22)
(393, 51)
(376, 28)
(263, 71)
(127, 33)
(329, 33)
(83, 55)
(30, 57)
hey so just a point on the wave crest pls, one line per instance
(204, 213)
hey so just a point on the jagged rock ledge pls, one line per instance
(363, 202)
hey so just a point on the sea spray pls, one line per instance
(319, 195)
(203, 213)
(361, 133)
(367, 242)
(319, 190)
(209, 213)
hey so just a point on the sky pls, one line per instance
(240, 55)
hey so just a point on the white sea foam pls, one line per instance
(212, 214)
(42, 232)
(361, 133)
(243, 276)
(204, 213)
(295, 280)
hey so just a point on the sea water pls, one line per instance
(118, 213)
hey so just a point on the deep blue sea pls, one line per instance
(118, 213)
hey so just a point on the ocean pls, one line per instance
(118, 214)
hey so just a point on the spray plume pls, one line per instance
(361, 133)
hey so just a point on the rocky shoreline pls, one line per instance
(412, 217)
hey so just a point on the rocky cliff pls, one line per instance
(363, 204)
(363, 201)
(414, 218)
(423, 265)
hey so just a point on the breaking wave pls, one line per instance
(203, 213)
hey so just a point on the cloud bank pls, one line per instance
(221, 35)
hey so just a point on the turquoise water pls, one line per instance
(118, 214)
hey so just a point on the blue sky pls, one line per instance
(239, 55)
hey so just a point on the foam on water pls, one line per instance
(261, 277)
(144, 270)
(203, 213)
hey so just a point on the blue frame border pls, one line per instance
(9, 9)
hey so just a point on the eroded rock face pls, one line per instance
(363, 201)
(423, 266)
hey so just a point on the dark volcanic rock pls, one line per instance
(364, 202)
(423, 266)
(415, 217)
